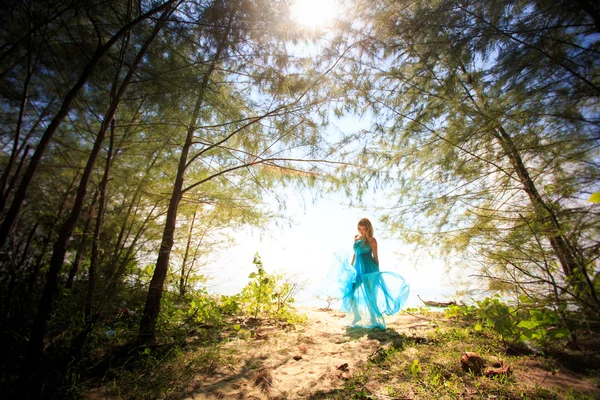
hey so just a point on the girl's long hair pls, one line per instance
(367, 224)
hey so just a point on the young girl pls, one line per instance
(367, 292)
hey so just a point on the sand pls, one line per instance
(280, 363)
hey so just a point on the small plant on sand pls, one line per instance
(269, 295)
(329, 300)
(259, 285)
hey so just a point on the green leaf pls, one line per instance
(524, 299)
(595, 197)
(557, 333)
(478, 327)
(527, 324)
(526, 335)
(415, 368)
(252, 275)
(147, 351)
(537, 315)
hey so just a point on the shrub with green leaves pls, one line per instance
(179, 314)
(526, 321)
(269, 295)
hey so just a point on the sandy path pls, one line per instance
(292, 364)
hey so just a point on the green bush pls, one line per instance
(527, 321)
(269, 295)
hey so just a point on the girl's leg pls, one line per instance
(354, 305)
(376, 318)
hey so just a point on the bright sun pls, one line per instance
(314, 13)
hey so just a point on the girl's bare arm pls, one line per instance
(374, 248)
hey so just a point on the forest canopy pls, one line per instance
(145, 130)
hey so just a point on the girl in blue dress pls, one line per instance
(369, 294)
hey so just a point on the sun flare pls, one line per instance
(314, 13)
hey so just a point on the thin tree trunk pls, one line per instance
(125, 260)
(15, 148)
(565, 253)
(82, 243)
(33, 128)
(96, 237)
(24, 147)
(200, 243)
(38, 265)
(13, 180)
(102, 192)
(122, 238)
(33, 275)
(152, 307)
(182, 277)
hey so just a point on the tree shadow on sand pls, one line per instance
(388, 339)
(384, 337)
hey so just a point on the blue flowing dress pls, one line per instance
(369, 294)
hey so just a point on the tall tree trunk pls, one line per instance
(572, 266)
(19, 197)
(152, 307)
(102, 191)
(96, 237)
(82, 243)
(59, 250)
(91, 316)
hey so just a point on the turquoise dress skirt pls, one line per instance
(367, 293)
